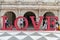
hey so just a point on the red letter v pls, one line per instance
(36, 26)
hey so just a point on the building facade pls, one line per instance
(15, 8)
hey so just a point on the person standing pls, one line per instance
(45, 24)
(21, 23)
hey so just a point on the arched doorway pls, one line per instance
(51, 19)
(48, 14)
(11, 17)
(27, 15)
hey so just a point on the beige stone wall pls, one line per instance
(37, 12)
(38, 7)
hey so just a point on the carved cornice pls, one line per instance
(29, 2)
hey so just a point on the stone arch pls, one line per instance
(27, 15)
(48, 14)
(11, 16)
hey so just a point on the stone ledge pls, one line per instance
(29, 3)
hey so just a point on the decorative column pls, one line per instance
(59, 16)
